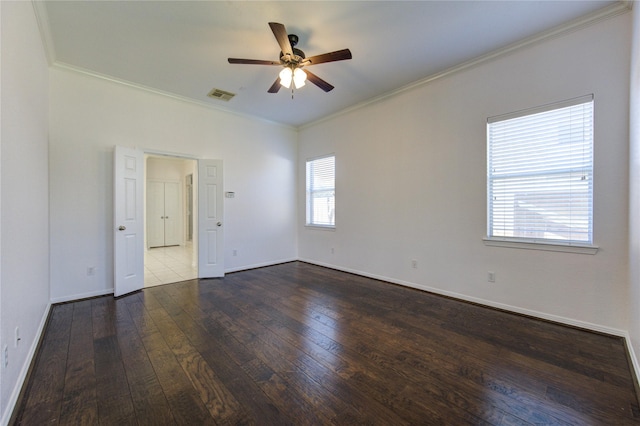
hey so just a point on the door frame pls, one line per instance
(142, 199)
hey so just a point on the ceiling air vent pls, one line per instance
(221, 94)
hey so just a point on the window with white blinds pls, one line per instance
(540, 174)
(321, 193)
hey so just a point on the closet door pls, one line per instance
(163, 214)
(155, 214)
(172, 214)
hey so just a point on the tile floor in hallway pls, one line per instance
(163, 265)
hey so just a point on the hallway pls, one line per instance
(164, 265)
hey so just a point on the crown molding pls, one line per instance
(111, 79)
(40, 10)
(618, 8)
(42, 17)
(605, 13)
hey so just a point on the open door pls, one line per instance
(128, 224)
(210, 219)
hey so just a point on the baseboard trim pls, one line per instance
(260, 265)
(19, 388)
(515, 309)
(98, 293)
(632, 355)
(81, 296)
(633, 364)
(496, 305)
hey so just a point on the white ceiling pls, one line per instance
(181, 47)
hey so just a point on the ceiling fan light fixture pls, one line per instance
(299, 77)
(292, 60)
(286, 75)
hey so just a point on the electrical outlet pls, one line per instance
(414, 264)
(333, 250)
(491, 277)
(235, 252)
(91, 270)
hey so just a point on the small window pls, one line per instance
(321, 193)
(540, 174)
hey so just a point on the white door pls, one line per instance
(155, 214)
(172, 214)
(210, 219)
(128, 224)
(164, 214)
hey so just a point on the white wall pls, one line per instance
(411, 182)
(167, 169)
(89, 116)
(24, 279)
(634, 192)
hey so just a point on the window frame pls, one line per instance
(309, 221)
(572, 246)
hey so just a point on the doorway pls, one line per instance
(170, 255)
(129, 243)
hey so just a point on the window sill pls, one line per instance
(541, 245)
(320, 227)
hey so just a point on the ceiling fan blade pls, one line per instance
(281, 35)
(275, 86)
(253, 61)
(338, 55)
(318, 81)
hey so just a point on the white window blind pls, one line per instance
(321, 192)
(540, 174)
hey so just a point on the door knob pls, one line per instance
(122, 228)
(219, 223)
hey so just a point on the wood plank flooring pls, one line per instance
(303, 345)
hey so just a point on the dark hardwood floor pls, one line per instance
(304, 345)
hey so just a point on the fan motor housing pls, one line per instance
(298, 55)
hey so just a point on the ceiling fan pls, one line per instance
(293, 60)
